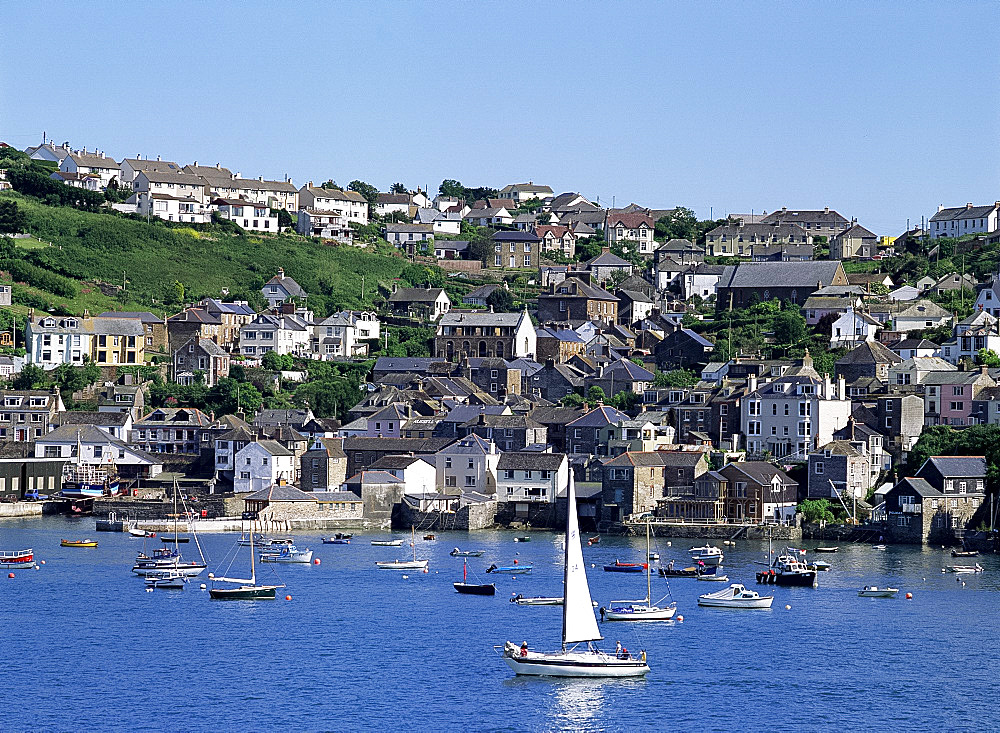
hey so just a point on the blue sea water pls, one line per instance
(84, 647)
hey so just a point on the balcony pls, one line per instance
(911, 508)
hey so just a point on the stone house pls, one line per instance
(574, 300)
(177, 430)
(363, 451)
(200, 355)
(484, 334)
(824, 222)
(839, 469)
(468, 464)
(324, 466)
(682, 349)
(606, 264)
(633, 482)
(759, 492)
(870, 359)
(919, 513)
(583, 435)
(508, 432)
(622, 376)
(747, 283)
(515, 250)
(429, 303)
(28, 414)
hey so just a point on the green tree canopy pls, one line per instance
(12, 219)
(789, 327)
(676, 378)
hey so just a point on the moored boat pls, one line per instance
(515, 568)
(827, 549)
(135, 532)
(735, 596)
(873, 591)
(689, 572)
(712, 577)
(977, 568)
(466, 553)
(387, 543)
(625, 567)
(413, 564)
(288, 555)
(708, 554)
(334, 541)
(248, 588)
(15, 559)
(789, 569)
(78, 543)
(523, 538)
(169, 539)
(965, 553)
(473, 589)
(540, 601)
(644, 610)
(166, 579)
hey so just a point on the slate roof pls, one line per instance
(415, 295)
(274, 448)
(870, 352)
(93, 161)
(483, 291)
(657, 458)
(958, 466)
(921, 309)
(280, 493)
(291, 287)
(599, 417)
(825, 216)
(761, 471)
(530, 461)
(920, 486)
(607, 259)
(944, 378)
(480, 318)
(634, 295)
(632, 371)
(838, 448)
(73, 417)
(178, 177)
(516, 237)
(398, 463)
(780, 274)
(964, 212)
(630, 220)
(855, 232)
(409, 228)
(143, 316)
(174, 416)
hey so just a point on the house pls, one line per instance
(411, 238)
(89, 445)
(708, 501)
(429, 303)
(281, 288)
(51, 341)
(269, 194)
(246, 214)
(442, 222)
(176, 430)
(5, 294)
(171, 196)
(949, 395)
(324, 223)
(583, 434)
(870, 359)
(554, 381)
(950, 282)
(557, 239)
(910, 347)
(155, 329)
(96, 163)
(574, 300)
(960, 220)
(760, 492)
(867, 279)
(86, 181)
(129, 168)
(622, 376)
(345, 334)
(116, 424)
(701, 280)
(637, 226)
(795, 413)
(9, 367)
(852, 243)
(744, 284)
(739, 240)
(682, 349)
(276, 418)
(978, 331)
(669, 272)
(283, 334)
(817, 307)
(914, 370)
(387, 204)
(468, 464)
(478, 296)
(521, 192)
(818, 223)
(938, 504)
(228, 443)
(515, 250)
(49, 152)
(123, 397)
(418, 474)
(633, 482)
(324, 466)
(852, 329)
(988, 298)
(202, 356)
(606, 264)
(532, 477)
(905, 292)
(839, 469)
(508, 432)
(916, 316)
(485, 334)
(683, 251)
(351, 204)
(489, 217)
(363, 451)
(262, 464)
(27, 414)
(451, 249)
(557, 344)
(634, 306)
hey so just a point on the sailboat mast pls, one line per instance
(649, 590)
(253, 571)
(413, 541)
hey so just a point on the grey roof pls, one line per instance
(828, 216)
(870, 352)
(530, 461)
(143, 316)
(483, 291)
(958, 466)
(279, 492)
(938, 378)
(274, 448)
(854, 232)
(387, 463)
(913, 344)
(921, 309)
(186, 179)
(599, 417)
(415, 295)
(635, 296)
(758, 232)
(516, 237)
(291, 287)
(920, 486)
(117, 419)
(632, 371)
(780, 274)
(93, 161)
(480, 318)
(409, 228)
(964, 212)
(607, 259)
(173, 417)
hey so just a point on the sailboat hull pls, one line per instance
(403, 565)
(188, 570)
(638, 612)
(244, 593)
(573, 664)
(476, 589)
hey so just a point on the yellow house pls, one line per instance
(117, 341)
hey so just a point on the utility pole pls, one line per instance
(362, 289)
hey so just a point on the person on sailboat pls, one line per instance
(524, 649)
(671, 565)
(618, 649)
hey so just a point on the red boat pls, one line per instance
(625, 567)
(17, 559)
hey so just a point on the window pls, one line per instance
(819, 468)
(958, 390)
(957, 406)
(52, 451)
(472, 463)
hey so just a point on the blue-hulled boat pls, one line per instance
(625, 567)
(509, 568)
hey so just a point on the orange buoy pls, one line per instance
(316, 561)
(10, 575)
(681, 619)
(288, 598)
(43, 562)
(909, 596)
(426, 570)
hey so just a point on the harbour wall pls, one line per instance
(470, 517)
(27, 509)
(781, 533)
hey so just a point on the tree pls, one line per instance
(367, 190)
(595, 394)
(572, 400)
(816, 510)
(30, 377)
(284, 218)
(681, 223)
(988, 357)
(676, 378)
(398, 188)
(178, 292)
(451, 187)
(789, 327)
(625, 400)
(501, 300)
(12, 219)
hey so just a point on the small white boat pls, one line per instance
(289, 555)
(873, 591)
(709, 555)
(166, 579)
(711, 577)
(540, 601)
(878, 547)
(977, 568)
(261, 542)
(735, 596)
(387, 543)
(134, 532)
(653, 556)
(466, 553)
(413, 564)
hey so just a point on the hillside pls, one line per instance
(92, 248)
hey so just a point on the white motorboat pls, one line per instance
(735, 596)
(262, 542)
(709, 555)
(873, 591)
(878, 547)
(289, 555)
(712, 577)
(977, 568)
(539, 601)
(387, 543)
(413, 564)
(643, 610)
(168, 579)
(579, 625)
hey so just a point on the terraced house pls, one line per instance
(53, 340)
(484, 334)
(176, 430)
(27, 414)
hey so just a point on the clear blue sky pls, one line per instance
(879, 110)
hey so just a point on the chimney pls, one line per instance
(157, 158)
(195, 164)
(826, 209)
(968, 205)
(752, 383)
(841, 387)
(310, 184)
(605, 249)
(482, 418)
(784, 209)
(260, 178)
(281, 272)
(940, 208)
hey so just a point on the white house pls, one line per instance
(284, 334)
(171, 208)
(327, 224)
(960, 220)
(95, 162)
(281, 288)
(441, 221)
(468, 464)
(352, 205)
(248, 215)
(496, 216)
(180, 185)
(86, 181)
(336, 337)
(531, 477)
(129, 168)
(261, 464)
(852, 329)
(631, 226)
(96, 448)
(48, 151)
(418, 474)
(701, 280)
(920, 315)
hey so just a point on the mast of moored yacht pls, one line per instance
(649, 591)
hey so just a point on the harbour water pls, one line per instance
(86, 648)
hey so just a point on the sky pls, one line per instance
(881, 111)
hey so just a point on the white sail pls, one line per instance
(579, 621)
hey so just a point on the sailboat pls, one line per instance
(639, 610)
(167, 559)
(413, 564)
(248, 590)
(579, 625)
